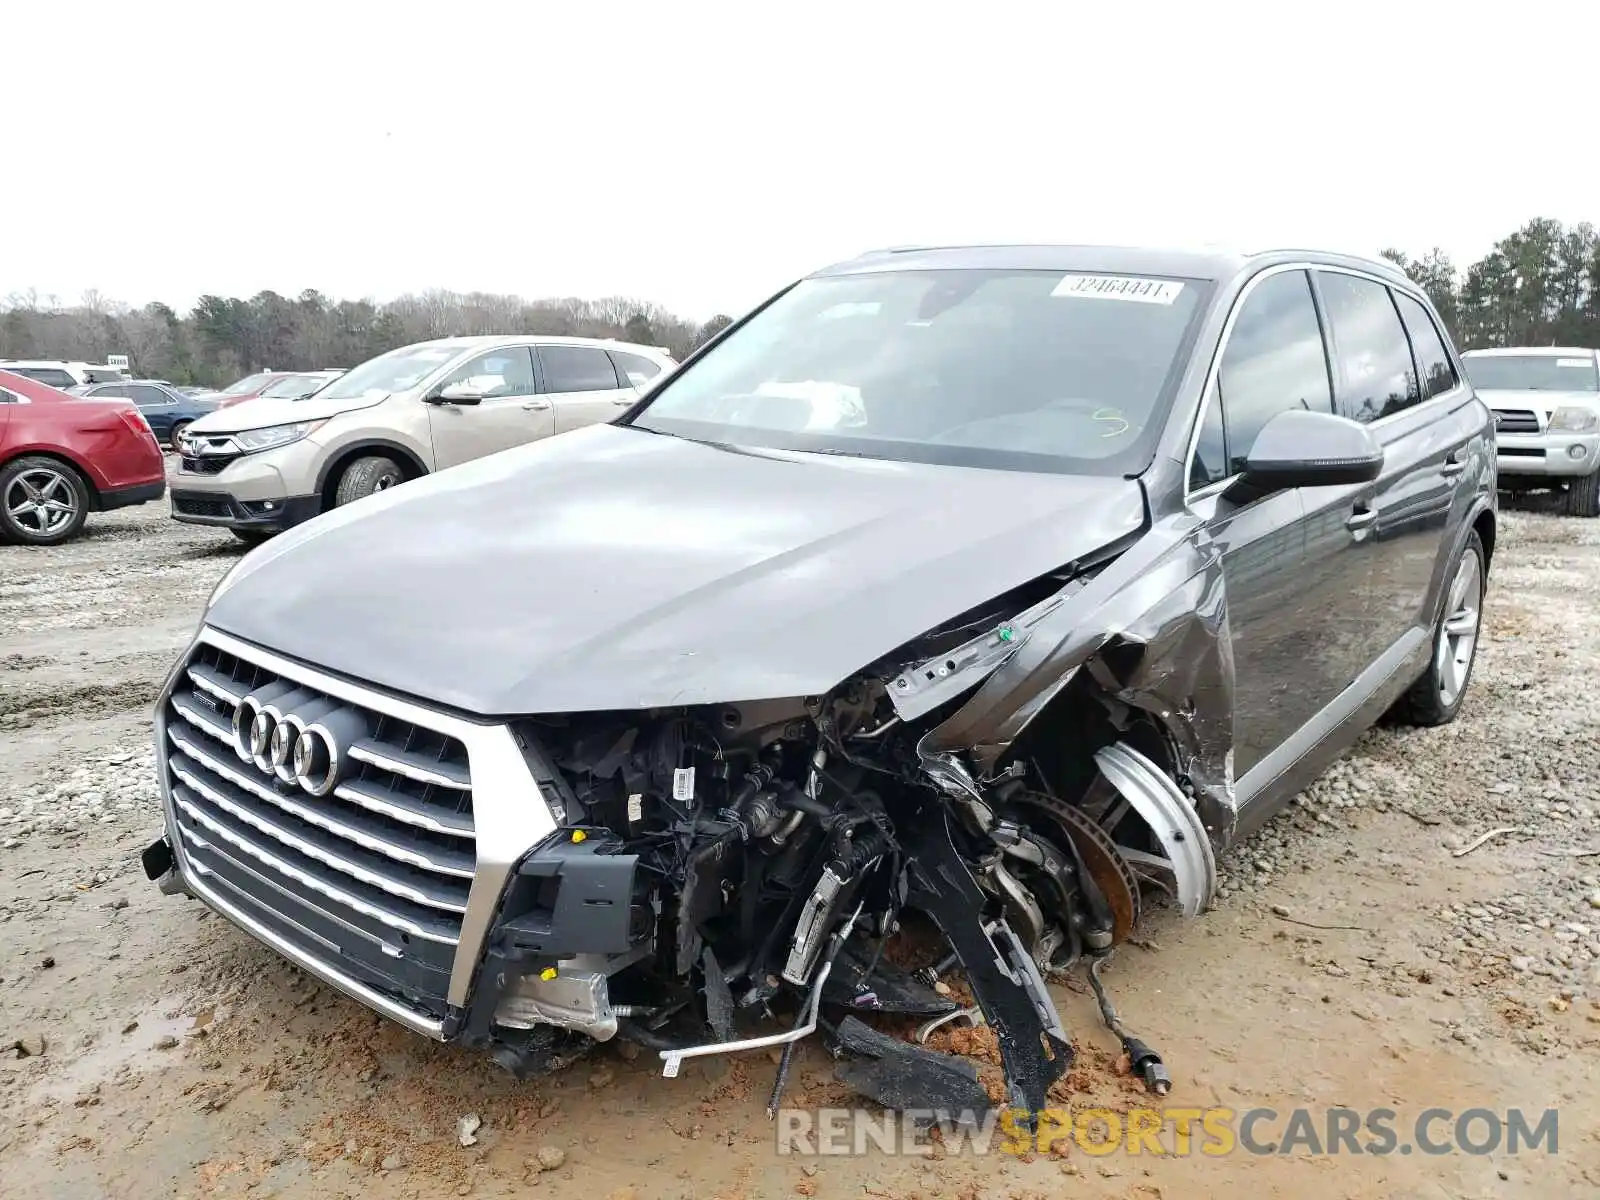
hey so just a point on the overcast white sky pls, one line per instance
(702, 154)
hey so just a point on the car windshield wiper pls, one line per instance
(835, 451)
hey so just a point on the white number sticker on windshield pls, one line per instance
(1116, 287)
(1574, 362)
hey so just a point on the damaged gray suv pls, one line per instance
(948, 612)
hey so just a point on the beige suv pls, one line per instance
(264, 465)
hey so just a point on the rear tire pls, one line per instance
(1436, 698)
(176, 434)
(43, 501)
(1583, 497)
(367, 476)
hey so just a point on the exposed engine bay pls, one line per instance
(735, 876)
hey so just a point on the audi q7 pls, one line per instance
(986, 591)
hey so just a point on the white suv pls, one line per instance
(57, 373)
(1546, 402)
(267, 464)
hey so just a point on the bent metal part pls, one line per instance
(549, 784)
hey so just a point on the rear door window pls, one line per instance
(1434, 368)
(1372, 358)
(577, 369)
(146, 396)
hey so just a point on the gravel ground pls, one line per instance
(1356, 957)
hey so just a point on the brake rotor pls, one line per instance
(1101, 859)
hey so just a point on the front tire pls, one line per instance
(1436, 698)
(251, 537)
(367, 476)
(1583, 497)
(43, 501)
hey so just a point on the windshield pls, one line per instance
(395, 371)
(249, 385)
(1532, 372)
(1031, 370)
(295, 386)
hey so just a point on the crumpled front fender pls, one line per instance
(1152, 630)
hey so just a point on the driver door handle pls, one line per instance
(535, 405)
(1362, 518)
(1453, 466)
(624, 400)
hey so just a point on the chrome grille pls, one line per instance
(372, 877)
(1515, 420)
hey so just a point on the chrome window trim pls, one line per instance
(1209, 389)
(510, 813)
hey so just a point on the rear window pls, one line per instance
(53, 376)
(636, 368)
(1533, 372)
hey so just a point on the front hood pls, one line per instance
(610, 568)
(1543, 403)
(259, 412)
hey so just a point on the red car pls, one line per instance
(63, 457)
(250, 387)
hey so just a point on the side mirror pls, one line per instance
(1311, 449)
(458, 393)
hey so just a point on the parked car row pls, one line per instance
(167, 408)
(313, 440)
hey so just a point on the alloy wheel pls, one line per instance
(1458, 637)
(41, 501)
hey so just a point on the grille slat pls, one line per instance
(317, 882)
(372, 877)
(326, 816)
(1516, 420)
(199, 504)
(261, 872)
(400, 807)
(411, 765)
(205, 721)
(216, 684)
(310, 842)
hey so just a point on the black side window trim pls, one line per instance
(1211, 392)
(1395, 296)
(1330, 340)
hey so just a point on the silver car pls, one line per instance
(1546, 402)
(259, 467)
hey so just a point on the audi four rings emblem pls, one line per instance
(286, 745)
